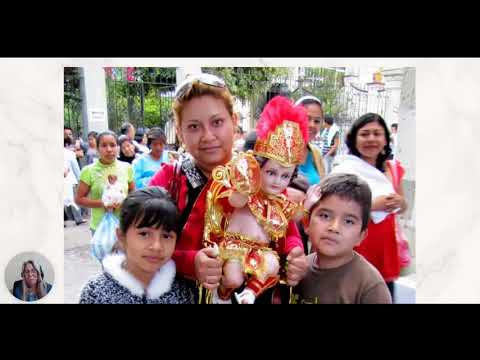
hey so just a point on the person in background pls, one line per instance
(330, 141)
(92, 153)
(126, 149)
(313, 168)
(149, 163)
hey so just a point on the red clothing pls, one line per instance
(380, 246)
(190, 240)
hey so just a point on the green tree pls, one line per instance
(247, 82)
(326, 84)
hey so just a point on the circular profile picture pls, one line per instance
(29, 276)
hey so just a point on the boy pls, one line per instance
(337, 223)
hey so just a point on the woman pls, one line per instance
(96, 176)
(31, 287)
(368, 144)
(205, 122)
(127, 150)
(313, 168)
(149, 163)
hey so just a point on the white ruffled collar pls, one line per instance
(160, 284)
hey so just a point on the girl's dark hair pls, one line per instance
(351, 139)
(348, 187)
(155, 134)
(149, 207)
(105, 133)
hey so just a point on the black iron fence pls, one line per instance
(144, 104)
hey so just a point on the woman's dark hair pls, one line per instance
(250, 140)
(351, 139)
(106, 133)
(149, 207)
(348, 187)
(155, 133)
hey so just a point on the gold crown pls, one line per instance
(285, 145)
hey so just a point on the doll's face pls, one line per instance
(275, 177)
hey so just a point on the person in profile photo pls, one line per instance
(32, 287)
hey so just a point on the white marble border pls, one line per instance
(448, 92)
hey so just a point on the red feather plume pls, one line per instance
(276, 111)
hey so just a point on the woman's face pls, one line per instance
(315, 120)
(107, 148)
(31, 276)
(128, 149)
(157, 148)
(370, 141)
(207, 130)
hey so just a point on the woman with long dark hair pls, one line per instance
(369, 149)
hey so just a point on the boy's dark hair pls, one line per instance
(351, 139)
(329, 119)
(149, 207)
(92, 133)
(395, 125)
(250, 140)
(124, 128)
(155, 133)
(67, 141)
(347, 187)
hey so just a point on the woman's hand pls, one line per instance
(208, 268)
(112, 207)
(389, 203)
(297, 266)
(395, 201)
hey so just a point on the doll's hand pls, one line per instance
(208, 268)
(297, 266)
(313, 195)
(238, 200)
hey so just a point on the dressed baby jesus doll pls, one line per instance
(248, 212)
(113, 192)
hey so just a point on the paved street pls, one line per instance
(79, 264)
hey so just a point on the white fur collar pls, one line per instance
(160, 284)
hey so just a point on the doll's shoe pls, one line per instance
(245, 297)
(216, 299)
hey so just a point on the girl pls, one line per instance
(143, 273)
(95, 177)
